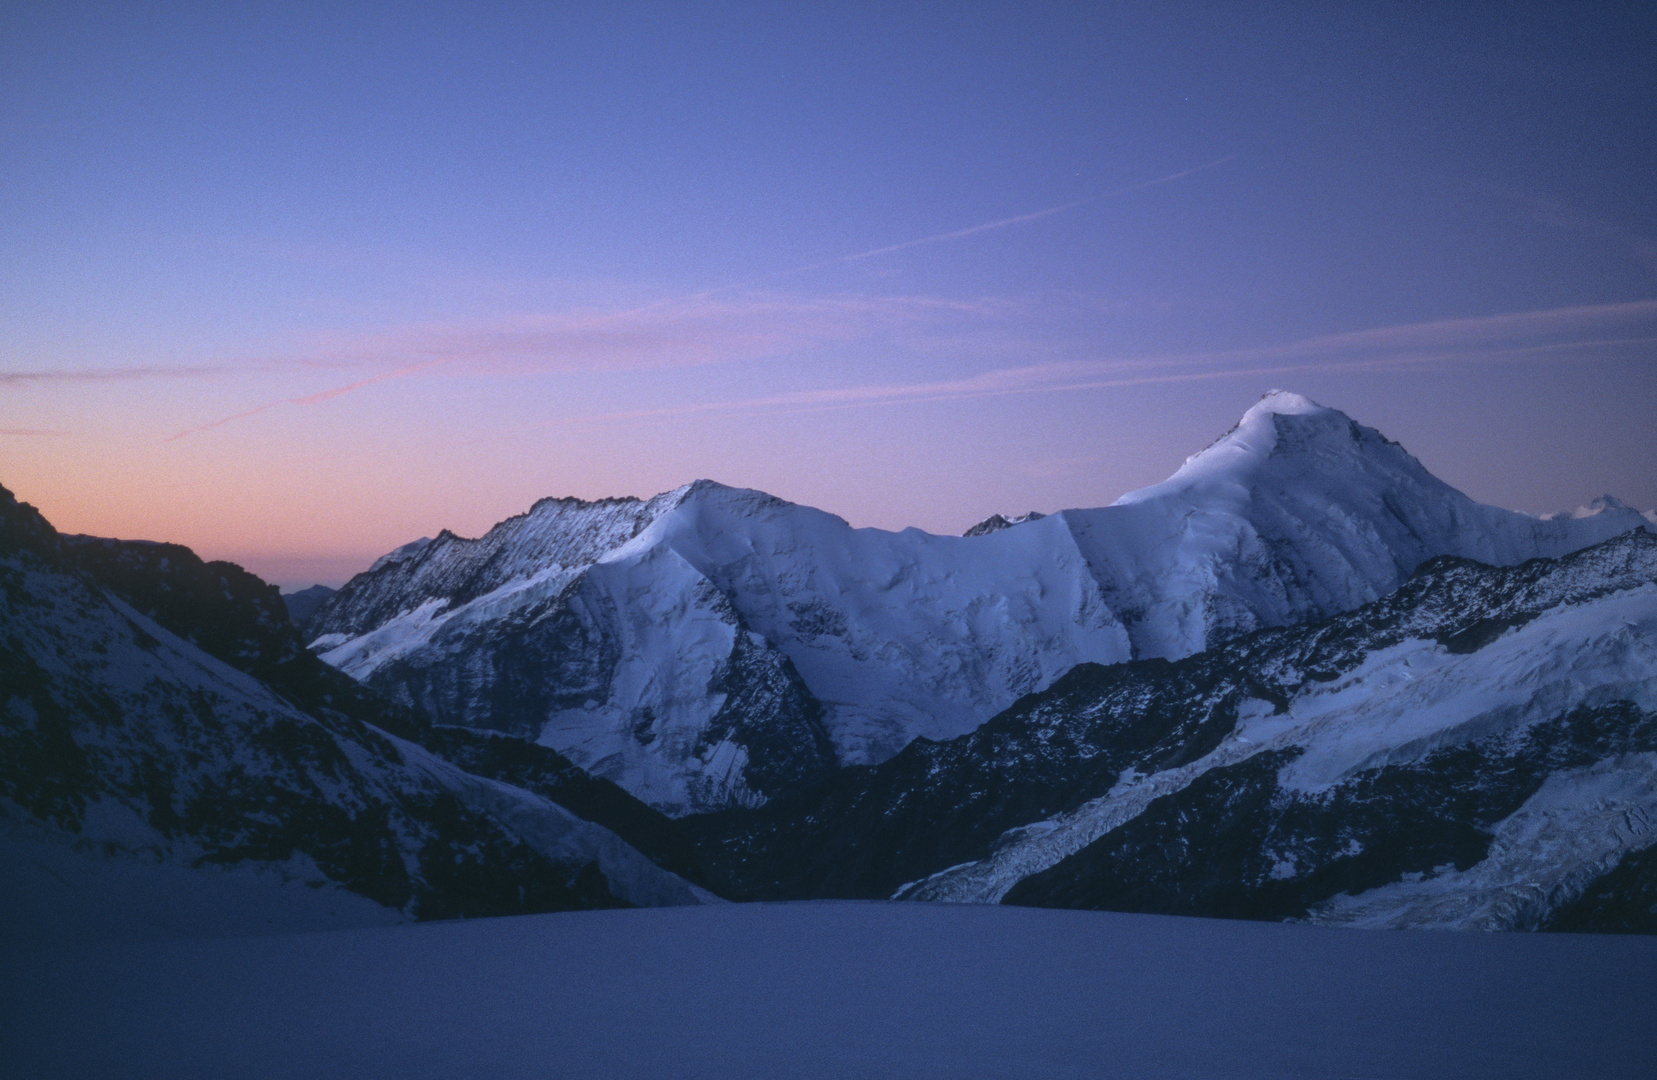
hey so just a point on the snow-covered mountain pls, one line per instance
(1477, 749)
(714, 647)
(156, 710)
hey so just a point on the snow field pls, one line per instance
(838, 990)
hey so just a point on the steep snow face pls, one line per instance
(1295, 514)
(896, 634)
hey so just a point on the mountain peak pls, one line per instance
(1261, 428)
(711, 493)
(702, 488)
(1284, 403)
(1280, 423)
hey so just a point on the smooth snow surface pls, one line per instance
(1295, 514)
(58, 888)
(838, 990)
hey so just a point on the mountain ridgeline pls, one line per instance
(1411, 762)
(713, 647)
(1300, 679)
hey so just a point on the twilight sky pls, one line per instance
(293, 284)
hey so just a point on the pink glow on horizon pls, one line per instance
(280, 499)
(295, 285)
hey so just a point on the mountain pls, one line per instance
(716, 647)
(1478, 748)
(997, 522)
(159, 711)
(302, 603)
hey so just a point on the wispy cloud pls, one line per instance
(103, 375)
(306, 399)
(700, 328)
(682, 333)
(686, 333)
(32, 432)
(1507, 338)
(1509, 328)
(707, 330)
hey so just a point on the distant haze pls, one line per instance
(295, 284)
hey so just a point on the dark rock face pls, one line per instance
(997, 522)
(235, 617)
(216, 606)
(1214, 847)
(274, 757)
(509, 674)
(769, 713)
(457, 570)
(1623, 901)
(865, 831)
(547, 772)
(1235, 844)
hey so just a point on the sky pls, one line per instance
(294, 284)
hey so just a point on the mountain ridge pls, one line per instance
(1265, 776)
(162, 710)
(871, 638)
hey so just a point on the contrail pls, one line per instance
(1017, 219)
(989, 226)
(1385, 349)
(98, 375)
(310, 399)
(973, 230)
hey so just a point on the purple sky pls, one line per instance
(294, 285)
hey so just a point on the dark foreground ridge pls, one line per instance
(114, 697)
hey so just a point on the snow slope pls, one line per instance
(121, 740)
(1476, 751)
(785, 991)
(61, 888)
(1482, 728)
(620, 632)
(1399, 707)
